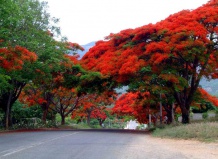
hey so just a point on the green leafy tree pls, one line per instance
(26, 23)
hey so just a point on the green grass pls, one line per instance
(75, 126)
(204, 131)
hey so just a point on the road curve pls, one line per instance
(83, 145)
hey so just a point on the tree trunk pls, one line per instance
(184, 104)
(8, 112)
(100, 123)
(185, 118)
(88, 119)
(45, 106)
(185, 114)
(169, 109)
(89, 111)
(169, 117)
(161, 111)
(53, 117)
(62, 120)
(44, 115)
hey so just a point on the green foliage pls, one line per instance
(129, 44)
(145, 69)
(28, 123)
(94, 123)
(204, 107)
(72, 77)
(27, 23)
(84, 81)
(68, 119)
(4, 82)
(92, 82)
(49, 124)
(205, 115)
(20, 111)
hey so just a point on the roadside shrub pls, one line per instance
(28, 123)
(205, 115)
(50, 124)
(216, 113)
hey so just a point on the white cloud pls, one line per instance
(83, 21)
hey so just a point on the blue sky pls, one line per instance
(84, 21)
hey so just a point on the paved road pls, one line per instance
(82, 145)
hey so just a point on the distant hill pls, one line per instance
(86, 47)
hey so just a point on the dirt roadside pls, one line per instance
(189, 148)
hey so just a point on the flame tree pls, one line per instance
(95, 106)
(14, 64)
(169, 57)
(63, 91)
(28, 25)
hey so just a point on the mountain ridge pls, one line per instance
(86, 48)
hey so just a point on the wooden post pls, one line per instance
(149, 120)
(161, 120)
(173, 119)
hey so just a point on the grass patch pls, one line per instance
(205, 131)
(80, 126)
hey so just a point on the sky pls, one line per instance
(84, 21)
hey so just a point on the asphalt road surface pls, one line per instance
(82, 145)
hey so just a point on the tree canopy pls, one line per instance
(26, 35)
(168, 57)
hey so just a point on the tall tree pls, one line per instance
(26, 23)
(178, 51)
(62, 93)
(14, 62)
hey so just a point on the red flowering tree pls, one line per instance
(137, 105)
(94, 106)
(99, 114)
(173, 54)
(61, 90)
(65, 101)
(205, 96)
(25, 24)
(14, 62)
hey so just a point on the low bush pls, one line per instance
(205, 115)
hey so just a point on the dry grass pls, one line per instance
(205, 131)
